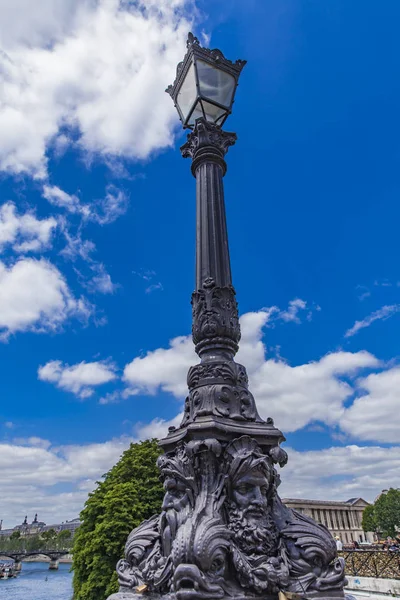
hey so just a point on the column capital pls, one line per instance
(207, 143)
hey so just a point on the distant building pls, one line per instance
(343, 519)
(37, 527)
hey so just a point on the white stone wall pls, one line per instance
(342, 519)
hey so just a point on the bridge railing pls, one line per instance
(372, 563)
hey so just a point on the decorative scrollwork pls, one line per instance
(223, 372)
(207, 142)
(215, 315)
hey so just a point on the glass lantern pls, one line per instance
(205, 85)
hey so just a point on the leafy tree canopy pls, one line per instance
(48, 535)
(368, 519)
(129, 493)
(387, 512)
(64, 534)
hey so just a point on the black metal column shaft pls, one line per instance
(216, 331)
(212, 251)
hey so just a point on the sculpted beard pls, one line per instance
(171, 519)
(253, 536)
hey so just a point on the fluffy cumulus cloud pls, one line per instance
(293, 395)
(32, 468)
(339, 473)
(164, 369)
(24, 232)
(94, 72)
(34, 296)
(80, 379)
(375, 414)
(316, 391)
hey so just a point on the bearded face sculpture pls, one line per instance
(250, 485)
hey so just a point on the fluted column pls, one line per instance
(215, 318)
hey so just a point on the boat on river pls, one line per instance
(7, 570)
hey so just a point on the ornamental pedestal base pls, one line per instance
(224, 533)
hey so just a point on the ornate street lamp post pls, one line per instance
(223, 530)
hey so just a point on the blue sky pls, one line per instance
(97, 224)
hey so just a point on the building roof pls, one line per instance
(345, 503)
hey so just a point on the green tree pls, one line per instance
(64, 539)
(33, 543)
(15, 541)
(49, 538)
(368, 519)
(387, 512)
(129, 493)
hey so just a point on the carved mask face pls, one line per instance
(249, 516)
(249, 493)
(175, 494)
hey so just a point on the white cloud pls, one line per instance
(100, 282)
(339, 473)
(99, 68)
(375, 414)
(103, 211)
(111, 398)
(292, 313)
(20, 24)
(165, 369)
(80, 379)
(25, 233)
(296, 396)
(109, 208)
(30, 470)
(382, 314)
(293, 396)
(61, 199)
(153, 287)
(157, 428)
(34, 296)
(34, 441)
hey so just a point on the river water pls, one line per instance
(31, 583)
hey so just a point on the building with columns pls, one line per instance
(343, 519)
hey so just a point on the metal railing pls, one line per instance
(372, 563)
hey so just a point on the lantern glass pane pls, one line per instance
(187, 93)
(215, 84)
(213, 113)
(196, 114)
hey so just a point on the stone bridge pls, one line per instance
(19, 556)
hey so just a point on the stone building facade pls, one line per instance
(343, 519)
(37, 527)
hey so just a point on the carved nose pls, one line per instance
(257, 497)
